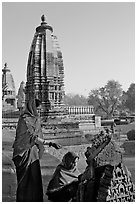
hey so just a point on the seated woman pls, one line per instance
(86, 189)
(64, 183)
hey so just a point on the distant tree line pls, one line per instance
(108, 100)
(75, 100)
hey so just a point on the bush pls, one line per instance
(131, 135)
(129, 148)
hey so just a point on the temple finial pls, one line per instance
(43, 19)
(5, 65)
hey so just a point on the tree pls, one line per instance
(75, 100)
(130, 99)
(106, 99)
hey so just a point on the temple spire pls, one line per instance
(45, 70)
(8, 86)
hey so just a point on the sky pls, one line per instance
(97, 40)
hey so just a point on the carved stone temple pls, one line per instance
(45, 71)
(8, 89)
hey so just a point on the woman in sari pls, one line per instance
(87, 181)
(28, 149)
(64, 183)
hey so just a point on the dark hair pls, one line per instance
(69, 158)
(37, 102)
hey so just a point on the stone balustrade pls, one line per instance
(80, 110)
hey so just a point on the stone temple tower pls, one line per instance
(8, 89)
(45, 71)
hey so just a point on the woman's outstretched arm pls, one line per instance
(41, 141)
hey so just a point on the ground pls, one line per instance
(49, 162)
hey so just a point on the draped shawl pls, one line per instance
(62, 175)
(28, 129)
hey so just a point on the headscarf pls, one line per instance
(28, 128)
(63, 175)
(68, 159)
(31, 108)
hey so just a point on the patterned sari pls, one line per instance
(107, 179)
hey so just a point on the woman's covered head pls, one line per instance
(70, 160)
(31, 107)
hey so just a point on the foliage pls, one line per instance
(131, 135)
(129, 148)
(130, 98)
(75, 100)
(106, 99)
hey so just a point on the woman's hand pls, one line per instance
(55, 145)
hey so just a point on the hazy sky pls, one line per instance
(97, 40)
